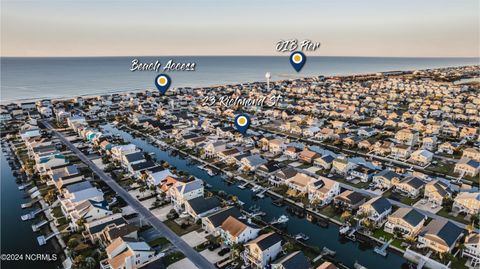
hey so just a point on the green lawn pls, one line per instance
(161, 241)
(179, 230)
(172, 258)
(386, 236)
(444, 213)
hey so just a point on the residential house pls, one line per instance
(211, 223)
(324, 162)
(307, 155)
(213, 148)
(429, 143)
(407, 137)
(300, 182)
(376, 209)
(252, 162)
(88, 210)
(263, 250)
(421, 157)
(200, 207)
(440, 235)
(236, 231)
(276, 145)
(294, 260)
(401, 151)
(468, 167)
(323, 191)
(362, 172)
(467, 202)
(64, 175)
(471, 153)
(436, 192)
(155, 175)
(471, 249)
(407, 221)
(342, 165)
(184, 190)
(283, 176)
(410, 186)
(386, 179)
(349, 200)
(126, 252)
(75, 194)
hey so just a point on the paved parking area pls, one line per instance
(182, 264)
(194, 238)
(162, 212)
(212, 256)
(427, 206)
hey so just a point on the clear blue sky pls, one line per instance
(252, 27)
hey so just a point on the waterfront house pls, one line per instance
(126, 252)
(263, 250)
(376, 209)
(31, 133)
(212, 222)
(471, 249)
(401, 151)
(429, 143)
(131, 159)
(267, 169)
(277, 145)
(236, 231)
(362, 172)
(410, 186)
(155, 175)
(195, 142)
(300, 182)
(109, 228)
(294, 260)
(421, 157)
(468, 167)
(436, 192)
(64, 175)
(440, 235)
(386, 179)
(467, 202)
(228, 156)
(307, 156)
(471, 153)
(407, 221)
(324, 162)
(342, 165)
(200, 207)
(44, 163)
(119, 151)
(184, 190)
(447, 147)
(349, 200)
(407, 137)
(213, 148)
(283, 175)
(74, 194)
(252, 162)
(323, 191)
(88, 210)
(138, 169)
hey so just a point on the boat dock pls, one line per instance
(29, 204)
(42, 240)
(243, 186)
(22, 187)
(32, 214)
(36, 227)
(383, 249)
(261, 194)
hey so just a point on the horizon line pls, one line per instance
(226, 55)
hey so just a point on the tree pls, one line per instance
(346, 215)
(50, 197)
(72, 243)
(90, 263)
(78, 261)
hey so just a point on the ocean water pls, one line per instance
(34, 78)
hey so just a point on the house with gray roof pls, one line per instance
(440, 235)
(406, 221)
(294, 260)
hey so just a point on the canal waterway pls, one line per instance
(17, 236)
(347, 252)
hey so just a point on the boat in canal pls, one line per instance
(301, 236)
(281, 220)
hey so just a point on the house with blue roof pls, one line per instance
(376, 210)
(406, 221)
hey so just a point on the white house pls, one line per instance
(235, 231)
(262, 250)
(127, 253)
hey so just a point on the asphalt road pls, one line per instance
(178, 242)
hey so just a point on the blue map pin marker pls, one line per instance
(298, 59)
(242, 121)
(162, 82)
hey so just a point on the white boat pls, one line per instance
(256, 188)
(301, 236)
(344, 229)
(280, 220)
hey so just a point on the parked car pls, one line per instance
(213, 246)
(224, 251)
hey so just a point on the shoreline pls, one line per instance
(212, 86)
